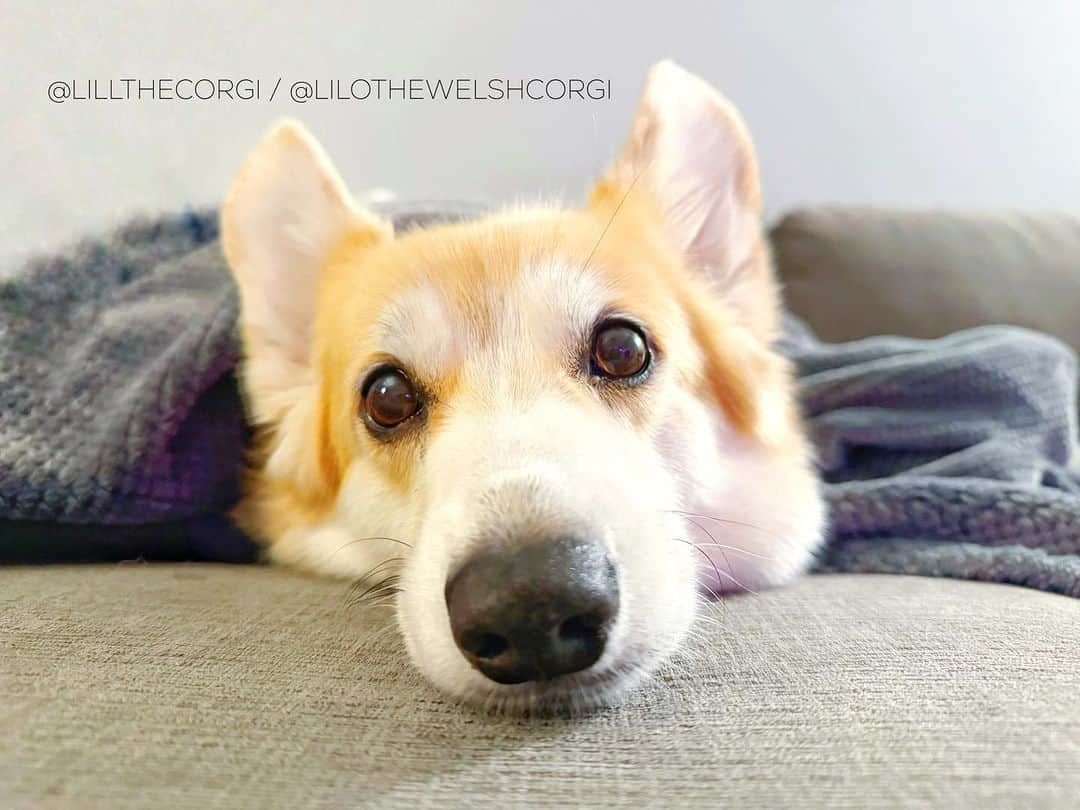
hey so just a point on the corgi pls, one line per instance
(544, 433)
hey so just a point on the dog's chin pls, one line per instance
(609, 683)
(576, 694)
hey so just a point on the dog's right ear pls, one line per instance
(286, 211)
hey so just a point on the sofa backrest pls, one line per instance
(853, 272)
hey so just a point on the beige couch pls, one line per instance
(200, 685)
(197, 685)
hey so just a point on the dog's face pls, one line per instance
(549, 426)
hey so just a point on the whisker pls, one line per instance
(730, 521)
(357, 592)
(736, 549)
(383, 587)
(378, 591)
(727, 562)
(615, 213)
(358, 583)
(372, 538)
(723, 553)
(718, 597)
(738, 584)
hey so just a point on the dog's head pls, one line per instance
(547, 424)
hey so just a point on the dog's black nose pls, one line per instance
(536, 611)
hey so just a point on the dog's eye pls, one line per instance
(390, 397)
(619, 350)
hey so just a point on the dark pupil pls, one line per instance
(391, 399)
(620, 351)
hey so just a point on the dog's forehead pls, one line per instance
(435, 326)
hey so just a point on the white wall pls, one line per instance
(907, 103)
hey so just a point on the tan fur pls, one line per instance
(363, 273)
(645, 240)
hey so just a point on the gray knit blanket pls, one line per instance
(122, 433)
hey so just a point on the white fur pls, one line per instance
(524, 461)
(681, 500)
(417, 330)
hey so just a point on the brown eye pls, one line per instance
(619, 350)
(390, 397)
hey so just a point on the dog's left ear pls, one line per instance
(691, 153)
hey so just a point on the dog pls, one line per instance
(547, 431)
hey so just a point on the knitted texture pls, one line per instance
(948, 457)
(116, 402)
(120, 418)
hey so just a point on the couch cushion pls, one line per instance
(853, 272)
(146, 685)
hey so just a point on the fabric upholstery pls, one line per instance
(857, 271)
(145, 685)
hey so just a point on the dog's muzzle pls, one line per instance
(536, 611)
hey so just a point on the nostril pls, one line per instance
(486, 645)
(583, 627)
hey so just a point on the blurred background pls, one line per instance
(917, 103)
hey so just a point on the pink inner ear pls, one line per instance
(690, 150)
(699, 167)
(285, 212)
